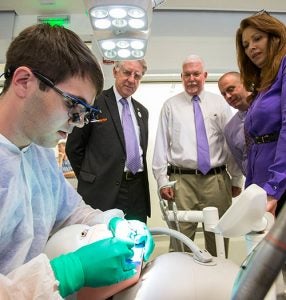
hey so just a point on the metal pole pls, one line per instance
(263, 265)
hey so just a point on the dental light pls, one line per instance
(121, 27)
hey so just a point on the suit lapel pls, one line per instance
(141, 125)
(111, 105)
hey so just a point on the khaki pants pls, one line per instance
(195, 192)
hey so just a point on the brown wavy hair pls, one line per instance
(54, 51)
(255, 79)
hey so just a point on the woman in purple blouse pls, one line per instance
(261, 50)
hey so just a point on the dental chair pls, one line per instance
(177, 275)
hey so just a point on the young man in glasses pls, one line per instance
(99, 152)
(51, 80)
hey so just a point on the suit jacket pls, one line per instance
(97, 153)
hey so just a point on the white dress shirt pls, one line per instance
(176, 136)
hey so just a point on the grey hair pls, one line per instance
(120, 63)
(192, 58)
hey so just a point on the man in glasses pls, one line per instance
(50, 81)
(190, 150)
(99, 152)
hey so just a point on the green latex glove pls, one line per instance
(133, 231)
(102, 263)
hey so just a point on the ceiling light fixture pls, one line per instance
(121, 27)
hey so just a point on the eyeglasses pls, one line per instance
(126, 73)
(78, 110)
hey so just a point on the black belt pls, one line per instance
(128, 176)
(178, 170)
(266, 138)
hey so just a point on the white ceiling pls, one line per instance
(40, 7)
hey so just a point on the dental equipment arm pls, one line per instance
(200, 255)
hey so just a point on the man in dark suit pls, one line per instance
(98, 155)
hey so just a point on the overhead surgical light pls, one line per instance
(118, 17)
(121, 27)
(121, 48)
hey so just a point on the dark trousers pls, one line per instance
(131, 199)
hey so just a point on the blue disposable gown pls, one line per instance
(35, 202)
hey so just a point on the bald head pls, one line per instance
(233, 91)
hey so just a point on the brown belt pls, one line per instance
(178, 170)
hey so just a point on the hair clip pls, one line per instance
(261, 12)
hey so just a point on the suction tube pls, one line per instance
(200, 255)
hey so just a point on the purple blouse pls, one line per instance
(267, 114)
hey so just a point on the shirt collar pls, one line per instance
(11, 146)
(242, 114)
(189, 97)
(118, 96)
